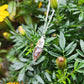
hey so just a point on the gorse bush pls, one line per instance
(48, 46)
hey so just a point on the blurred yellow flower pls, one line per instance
(7, 35)
(40, 4)
(3, 7)
(15, 83)
(0, 66)
(3, 12)
(9, 83)
(12, 83)
(45, 13)
(21, 30)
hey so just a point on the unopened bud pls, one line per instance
(53, 3)
(61, 62)
(32, 45)
(7, 35)
(21, 30)
(45, 13)
(54, 35)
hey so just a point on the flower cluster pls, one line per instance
(3, 12)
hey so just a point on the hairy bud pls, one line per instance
(61, 62)
(7, 35)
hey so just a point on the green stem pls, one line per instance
(50, 19)
(70, 73)
(48, 8)
(66, 76)
(63, 54)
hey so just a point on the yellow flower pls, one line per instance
(3, 7)
(45, 13)
(0, 66)
(21, 30)
(40, 4)
(3, 12)
(7, 35)
(12, 83)
(15, 83)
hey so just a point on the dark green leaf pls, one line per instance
(80, 60)
(81, 16)
(72, 57)
(51, 31)
(48, 76)
(82, 45)
(17, 65)
(29, 68)
(81, 65)
(76, 12)
(39, 79)
(57, 48)
(71, 49)
(21, 75)
(40, 60)
(50, 39)
(69, 46)
(80, 53)
(53, 54)
(62, 40)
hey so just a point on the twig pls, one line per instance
(46, 17)
(50, 19)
